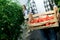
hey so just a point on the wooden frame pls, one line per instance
(40, 25)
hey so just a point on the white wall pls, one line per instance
(22, 2)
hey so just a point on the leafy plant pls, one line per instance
(11, 17)
(58, 3)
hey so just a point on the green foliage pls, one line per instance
(11, 17)
(58, 3)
